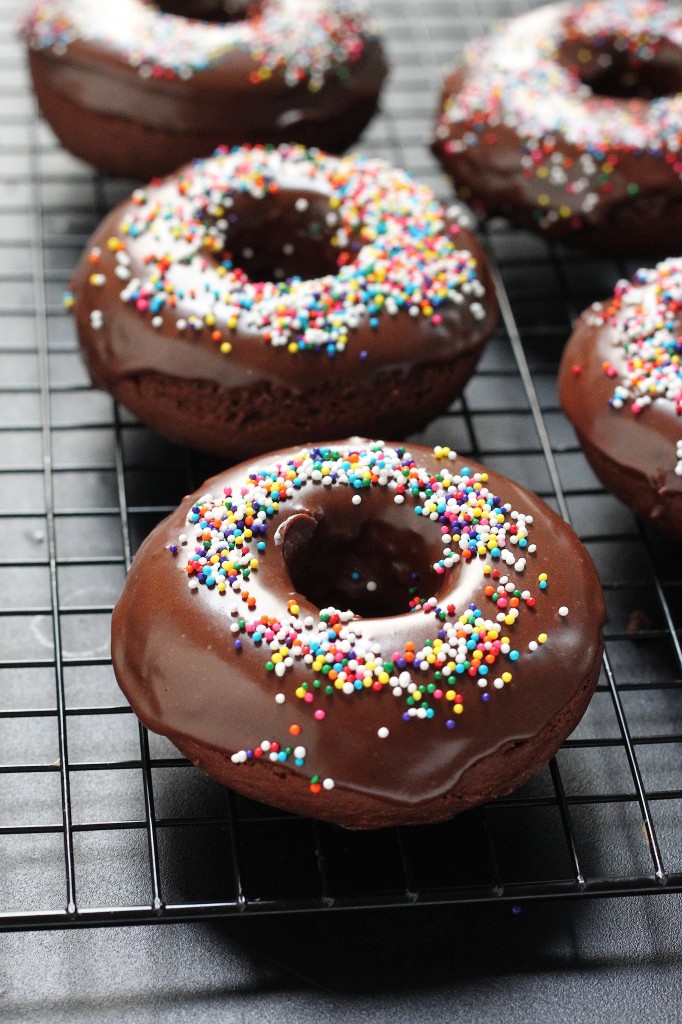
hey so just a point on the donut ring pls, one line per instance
(471, 650)
(569, 121)
(282, 286)
(138, 92)
(620, 384)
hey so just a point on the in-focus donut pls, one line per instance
(569, 120)
(362, 633)
(620, 385)
(136, 91)
(282, 290)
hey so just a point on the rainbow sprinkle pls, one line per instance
(396, 251)
(515, 80)
(470, 651)
(306, 41)
(645, 315)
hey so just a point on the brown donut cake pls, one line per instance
(620, 383)
(569, 120)
(137, 89)
(282, 289)
(362, 633)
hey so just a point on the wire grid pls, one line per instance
(101, 822)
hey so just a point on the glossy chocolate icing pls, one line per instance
(175, 659)
(94, 84)
(271, 239)
(508, 161)
(633, 455)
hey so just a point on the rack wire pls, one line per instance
(101, 823)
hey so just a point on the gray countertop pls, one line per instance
(587, 962)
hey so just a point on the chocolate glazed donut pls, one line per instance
(138, 89)
(620, 384)
(282, 289)
(568, 120)
(362, 633)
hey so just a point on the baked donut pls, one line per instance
(137, 91)
(620, 384)
(362, 633)
(569, 120)
(282, 289)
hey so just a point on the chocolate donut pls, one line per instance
(569, 120)
(282, 289)
(620, 384)
(137, 91)
(362, 633)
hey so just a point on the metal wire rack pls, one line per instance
(102, 823)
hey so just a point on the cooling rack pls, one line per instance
(102, 823)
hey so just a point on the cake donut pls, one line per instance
(362, 632)
(569, 120)
(282, 289)
(137, 89)
(620, 384)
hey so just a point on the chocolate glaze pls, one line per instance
(639, 210)
(127, 348)
(91, 87)
(633, 455)
(174, 658)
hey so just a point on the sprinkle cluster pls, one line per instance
(395, 252)
(306, 41)
(333, 655)
(515, 80)
(645, 315)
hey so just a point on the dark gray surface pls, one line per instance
(602, 960)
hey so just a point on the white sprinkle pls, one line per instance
(382, 733)
(563, 611)
(371, 585)
(279, 698)
(327, 784)
(356, 499)
(299, 752)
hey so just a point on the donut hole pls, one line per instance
(216, 11)
(290, 234)
(612, 72)
(374, 568)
